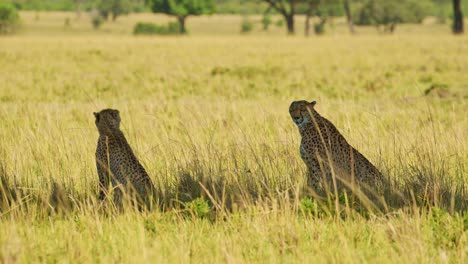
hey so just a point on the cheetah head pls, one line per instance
(300, 112)
(107, 120)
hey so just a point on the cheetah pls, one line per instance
(331, 162)
(117, 166)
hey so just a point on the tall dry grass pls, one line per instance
(208, 118)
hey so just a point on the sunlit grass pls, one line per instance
(209, 117)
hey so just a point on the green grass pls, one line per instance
(203, 109)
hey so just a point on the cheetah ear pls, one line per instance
(313, 103)
(96, 115)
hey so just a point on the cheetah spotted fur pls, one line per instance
(328, 156)
(117, 166)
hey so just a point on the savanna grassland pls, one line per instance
(208, 117)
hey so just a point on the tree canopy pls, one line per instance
(8, 18)
(114, 8)
(183, 8)
(390, 13)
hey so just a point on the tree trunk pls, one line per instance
(280, 7)
(309, 12)
(290, 17)
(458, 17)
(389, 28)
(181, 20)
(290, 23)
(307, 25)
(349, 17)
(320, 27)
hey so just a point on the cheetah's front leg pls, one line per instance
(103, 179)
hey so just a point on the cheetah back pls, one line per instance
(125, 169)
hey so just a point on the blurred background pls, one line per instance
(230, 17)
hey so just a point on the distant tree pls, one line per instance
(114, 8)
(287, 8)
(182, 9)
(349, 17)
(323, 9)
(45, 5)
(457, 17)
(266, 21)
(9, 18)
(139, 6)
(96, 20)
(246, 25)
(389, 14)
(312, 6)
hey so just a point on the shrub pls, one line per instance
(246, 25)
(319, 28)
(198, 207)
(174, 28)
(9, 18)
(312, 208)
(114, 8)
(390, 13)
(266, 21)
(67, 22)
(279, 22)
(141, 28)
(97, 21)
(308, 206)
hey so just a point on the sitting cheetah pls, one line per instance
(326, 153)
(116, 164)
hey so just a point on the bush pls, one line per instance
(308, 206)
(199, 207)
(9, 18)
(140, 8)
(390, 13)
(246, 25)
(319, 28)
(114, 8)
(67, 22)
(97, 21)
(279, 22)
(141, 28)
(266, 21)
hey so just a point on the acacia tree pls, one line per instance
(287, 8)
(389, 14)
(8, 18)
(114, 8)
(182, 9)
(323, 9)
(458, 17)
